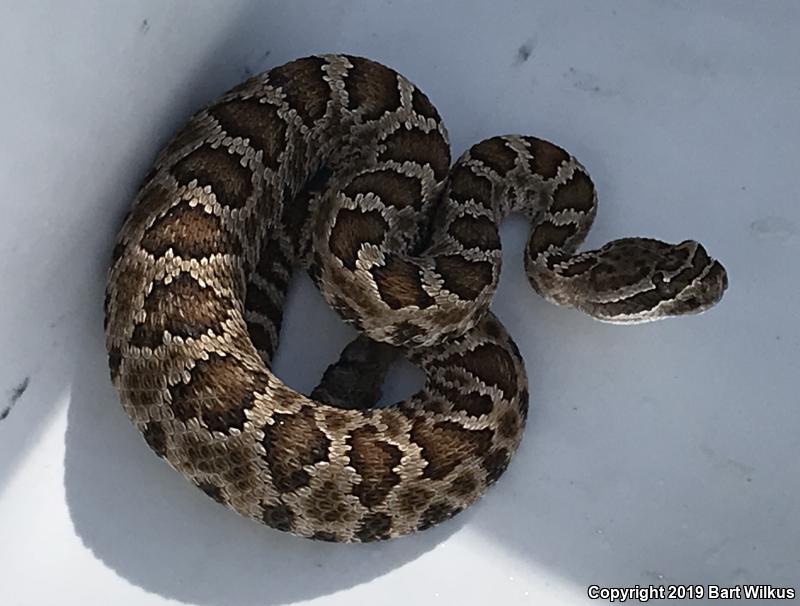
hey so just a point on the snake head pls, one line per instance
(697, 286)
(635, 280)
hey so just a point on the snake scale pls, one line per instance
(340, 165)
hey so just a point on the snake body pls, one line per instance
(340, 165)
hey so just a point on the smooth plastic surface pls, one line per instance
(658, 454)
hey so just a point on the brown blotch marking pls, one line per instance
(371, 87)
(548, 234)
(223, 172)
(465, 278)
(273, 265)
(191, 133)
(151, 202)
(374, 460)
(262, 340)
(556, 259)
(422, 105)
(392, 188)
(514, 349)
(293, 441)
(523, 404)
(296, 210)
(466, 185)
(495, 154)
(547, 158)
(472, 403)
(435, 514)
(644, 300)
(509, 424)
(464, 485)
(304, 86)
(475, 232)
(700, 259)
(606, 277)
(495, 464)
(446, 445)
(258, 301)
(400, 284)
(191, 232)
(335, 421)
(491, 364)
(259, 122)
(576, 194)
(418, 147)
(106, 306)
(116, 255)
(323, 535)
(182, 308)
(213, 491)
(492, 327)
(114, 363)
(375, 527)
(625, 262)
(278, 516)
(413, 500)
(156, 438)
(352, 229)
(219, 392)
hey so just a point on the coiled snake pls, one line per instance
(342, 166)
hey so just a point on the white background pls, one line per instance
(664, 453)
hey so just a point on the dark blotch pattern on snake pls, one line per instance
(342, 166)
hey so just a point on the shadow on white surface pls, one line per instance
(159, 532)
(141, 518)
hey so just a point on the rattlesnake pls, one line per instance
(339, 164)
